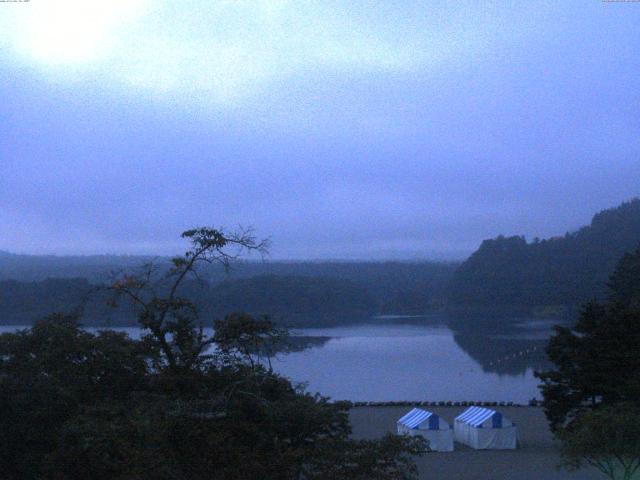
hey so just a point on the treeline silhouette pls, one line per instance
(506, 274)
(558, 272)
(292, 293)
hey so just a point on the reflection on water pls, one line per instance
(299, 343)
(503, 354)
(418, 358)
(421, 360)
(505, 346)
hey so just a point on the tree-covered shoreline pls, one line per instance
(558, 273)
(506, 277)
(77, 404)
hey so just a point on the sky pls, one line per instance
(339, 130)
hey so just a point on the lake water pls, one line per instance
(375, 362)
(393, 359)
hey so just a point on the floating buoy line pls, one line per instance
(513, 356)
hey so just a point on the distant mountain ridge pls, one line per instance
(559, 271)
(95, 268)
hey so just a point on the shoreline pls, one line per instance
(441, 403)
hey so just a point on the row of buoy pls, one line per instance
(514, 355)
(435, 404)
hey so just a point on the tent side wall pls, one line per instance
(482, 428)
(493, 438)
(461, 432)
(428, 425)
(439, 440)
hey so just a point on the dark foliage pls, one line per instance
(295, 294)
(174, 404)
(25, 301)
(293, 300)
(608, 439)
(598, 361)
(52, 373)
(592, 397)
(567, 270)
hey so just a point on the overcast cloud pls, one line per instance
(338, 129)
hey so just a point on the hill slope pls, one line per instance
(293, 300)
(569, 270)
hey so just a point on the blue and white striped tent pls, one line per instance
(428, 425)
(483, 428)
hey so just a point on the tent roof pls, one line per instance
(415, 417)
(475, 416)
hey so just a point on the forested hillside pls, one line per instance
(35, 268)
(293, 300)
(548, 275)
(560, 271)
(294, 293)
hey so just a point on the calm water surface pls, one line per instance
(384, 361)
(411, 362)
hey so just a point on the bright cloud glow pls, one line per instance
(222, 50)
(69, 31)
(339, 127)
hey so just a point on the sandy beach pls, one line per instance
(536, 458)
